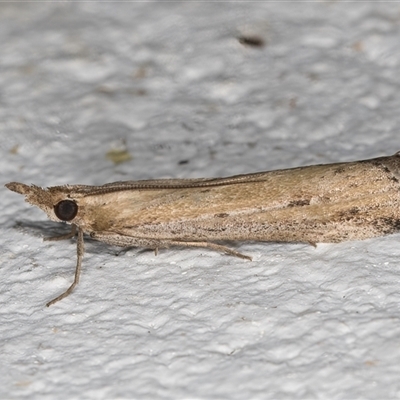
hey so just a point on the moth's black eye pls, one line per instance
(66, 210)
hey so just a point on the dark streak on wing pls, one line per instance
(299, 203)
(221, 215)
(387, 225)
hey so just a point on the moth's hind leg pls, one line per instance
(68, 235)
(117, 239)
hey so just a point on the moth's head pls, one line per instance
(54, 201)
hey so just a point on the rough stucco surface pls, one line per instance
(174, 84)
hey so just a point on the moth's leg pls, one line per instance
(62, 237)
(80, 251)
(124, 241)
(116, 239)
(213, 246)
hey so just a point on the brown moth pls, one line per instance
(319, 203)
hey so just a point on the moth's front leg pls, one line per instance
(117, 239)
(80, 251)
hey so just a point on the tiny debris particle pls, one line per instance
(118, 156)
(251, 40)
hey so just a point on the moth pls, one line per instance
(319, 203)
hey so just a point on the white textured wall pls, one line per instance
(174, 83)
